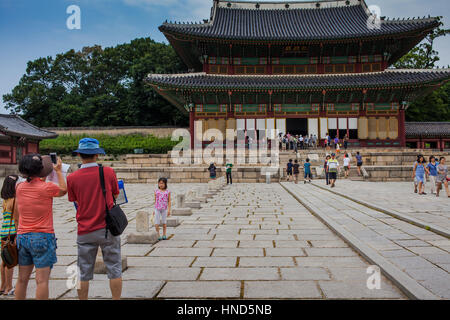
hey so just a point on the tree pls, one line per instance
(433, 106)
(98, 87)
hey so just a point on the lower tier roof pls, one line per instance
(386, 78)
(427, 129)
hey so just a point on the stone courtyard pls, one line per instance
(276, 241)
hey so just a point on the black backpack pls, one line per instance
(116, 220)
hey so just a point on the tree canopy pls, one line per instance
(434, 106)
(98, 87)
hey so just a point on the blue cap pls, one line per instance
(89, 146)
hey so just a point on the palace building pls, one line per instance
(300, 67)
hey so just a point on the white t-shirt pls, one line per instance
(346, 162)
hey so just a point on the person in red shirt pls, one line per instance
(85, 190)
(33, 209)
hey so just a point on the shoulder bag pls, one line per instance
(116, 220)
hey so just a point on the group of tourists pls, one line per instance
(293, 170)
(296, 142)
(28, 220)
(436, 171)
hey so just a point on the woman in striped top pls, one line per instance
(8, 195)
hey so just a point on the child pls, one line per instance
(289, 170)
(346, 165)
(8, 194)
(442, 177)
(307, 169)
(432, 168)
(296, 171)
(162, 207)
(229, 166)
(338, 148)
(419, 174)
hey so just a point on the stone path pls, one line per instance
(401, 198)
(250, 241)
(421, 254)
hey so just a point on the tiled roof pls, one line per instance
(340, 19)
(427, 129)
(389, 77)
(13, 125)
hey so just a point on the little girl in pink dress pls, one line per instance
(162, 207)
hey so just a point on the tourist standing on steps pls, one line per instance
(85, 189)
(162, 207)
(296, 170)
(346, 165)
(289, 168)
(432, 169)
(419, 174)
(8, 230)
(345, 142)
(442, 177)
(359, 163)
(307, 171)
(212, 171)
(33, 210)
(229, 166)
(333, 168)
(325, 168)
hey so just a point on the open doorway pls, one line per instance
(297, 126)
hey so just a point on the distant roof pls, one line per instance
(427, 129)
(13, 125)
(388, 77)
(287, 21)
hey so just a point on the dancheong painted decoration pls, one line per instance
(300, 67)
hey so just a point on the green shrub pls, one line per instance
(113, 145)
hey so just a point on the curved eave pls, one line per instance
(158, 81)
(183, 35)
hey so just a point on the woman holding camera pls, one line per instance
(36, 240)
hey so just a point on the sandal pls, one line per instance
(10, 293)
(164, 237)
(160, 238)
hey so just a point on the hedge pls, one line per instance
(114, 145)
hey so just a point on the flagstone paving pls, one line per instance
(256, 241)
(420, 253)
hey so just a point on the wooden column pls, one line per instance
(401, 127)
(191, 127)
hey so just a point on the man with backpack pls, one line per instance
(84, 187)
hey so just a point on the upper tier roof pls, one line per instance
(387, 78)
(300, 21)
(13, 125)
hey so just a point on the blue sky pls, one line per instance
(30, 29)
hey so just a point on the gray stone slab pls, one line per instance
(181, 252)
(240, 274)
(266, 262)
(358, 290)
(238, 252)
(284, 252)
(281, 290)
(215, 262)
(160, 261)
(304, 273)
(217, 244)
(201, 289)
(330, 252)
(161, 273)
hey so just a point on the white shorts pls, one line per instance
(160, 216)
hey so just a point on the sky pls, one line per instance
(30, 29)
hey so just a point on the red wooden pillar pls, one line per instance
(418, 144)
(191, 127)
(401, 128)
